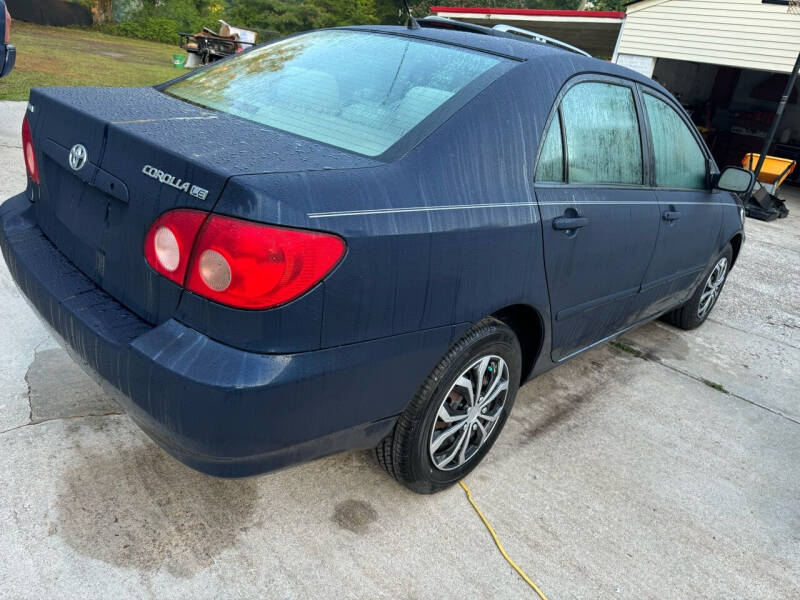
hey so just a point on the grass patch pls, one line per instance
(715, 386)
(625, 348)
(59, 56)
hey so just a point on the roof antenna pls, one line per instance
(412, 22)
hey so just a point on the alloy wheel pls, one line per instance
(713, 287)
(469, 413)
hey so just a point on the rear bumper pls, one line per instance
(218, 409)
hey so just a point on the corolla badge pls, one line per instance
(78, 157)
(178, 184)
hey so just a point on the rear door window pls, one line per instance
(679, 160)
(601, 130)
(355, 90)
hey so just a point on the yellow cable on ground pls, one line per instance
(499, 545)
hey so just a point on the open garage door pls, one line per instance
(734, 108)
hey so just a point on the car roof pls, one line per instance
(558, 59)
(519, 49)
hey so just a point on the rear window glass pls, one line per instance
(354, 90)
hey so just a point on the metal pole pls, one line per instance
(776, 121)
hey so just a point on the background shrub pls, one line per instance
(162, 20)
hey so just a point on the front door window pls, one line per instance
(679, 161)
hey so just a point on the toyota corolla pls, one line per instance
(364, 237)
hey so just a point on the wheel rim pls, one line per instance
(469, 413)
(713, 287)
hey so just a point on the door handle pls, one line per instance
(671, 215)
(564, 223)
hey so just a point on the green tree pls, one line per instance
(617, 5)
(277, 15)
(387, 12)
(102, 10)
(348, 12)
(162, 20)
(289, 16)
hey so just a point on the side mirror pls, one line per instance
(8, 54)
(736, 179)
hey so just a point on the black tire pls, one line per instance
(689, 316)
(407, 453)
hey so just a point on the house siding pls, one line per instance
(738, 33)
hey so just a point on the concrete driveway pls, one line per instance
(665, 466)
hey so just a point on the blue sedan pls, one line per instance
(365, 237)
(8, 53)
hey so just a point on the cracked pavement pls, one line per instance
(665, 466)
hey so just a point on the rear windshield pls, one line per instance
(355, 90)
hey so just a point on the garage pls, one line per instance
(727, 62)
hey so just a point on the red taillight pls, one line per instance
(168, 245)
(7, 36)
(27, 149)
(239, 263)
(249, 265)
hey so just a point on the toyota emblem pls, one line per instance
(77, 157)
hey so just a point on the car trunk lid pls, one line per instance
(145, 153)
